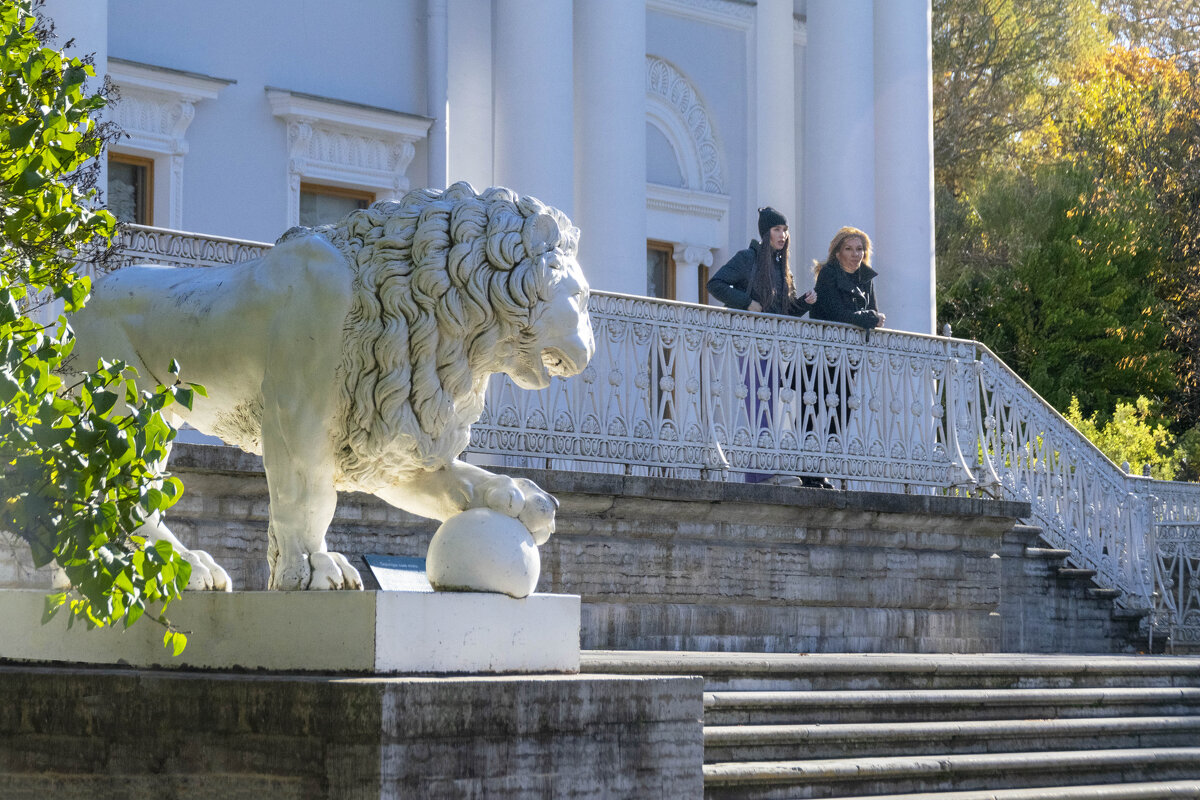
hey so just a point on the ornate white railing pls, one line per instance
(141, 243)
(1177, 560)
(691, 391)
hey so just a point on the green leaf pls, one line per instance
(175, 640)
(19, 136)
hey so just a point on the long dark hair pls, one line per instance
(763, 287)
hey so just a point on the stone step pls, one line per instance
(723, 743)
(1155, 790)
(870, 671)
(1048, 553)
(762, 708)
(871, 777)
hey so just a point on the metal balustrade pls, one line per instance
(690, 391)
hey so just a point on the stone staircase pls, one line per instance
(945, 727)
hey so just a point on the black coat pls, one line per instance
(731, 284)
(846, 297)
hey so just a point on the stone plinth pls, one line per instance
(373, 631)
(111, 734)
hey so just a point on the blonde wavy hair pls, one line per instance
(443, 281)
(836, 243)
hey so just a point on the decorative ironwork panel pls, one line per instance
(1178, 566)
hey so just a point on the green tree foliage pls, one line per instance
(996, 76)
(78, 474)
(1126, 121)
(1131, 435)
(1050, 274)
(1136, 121)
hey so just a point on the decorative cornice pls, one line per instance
(704, 205)
(368, 120)
(346, 143)
(727, 13)
(189, 86)
(157, 104)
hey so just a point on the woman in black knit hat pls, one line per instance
(759, 278)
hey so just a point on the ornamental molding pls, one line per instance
(712, 207)
(675, 107)
(346, 144)
(154, 108)
(727, 13)
(156, 104)
(682, 216)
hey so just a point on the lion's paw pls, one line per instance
(523, 499)
(333, 571)
(314, 571)
(207, 574)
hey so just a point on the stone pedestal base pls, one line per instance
(113, 734)
(385, 632)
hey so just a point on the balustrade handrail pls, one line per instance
(694, 391)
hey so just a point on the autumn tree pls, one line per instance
(1167, 29)
(996, 76)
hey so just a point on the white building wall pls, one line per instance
(513, 117)
(713, 50)
(236, 175)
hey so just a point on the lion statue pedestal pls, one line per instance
(355, 357)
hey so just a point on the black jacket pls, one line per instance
(846, 297)
(731, 284)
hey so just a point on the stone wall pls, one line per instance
(108, 734)
(676, 564)
(1043, 611)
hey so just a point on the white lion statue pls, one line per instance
(355, 356)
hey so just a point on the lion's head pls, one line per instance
(449, 288)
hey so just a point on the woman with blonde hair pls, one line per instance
(845, 292)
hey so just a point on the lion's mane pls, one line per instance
(443, 283)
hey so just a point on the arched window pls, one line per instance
(686, 206)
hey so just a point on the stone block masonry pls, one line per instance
(697, 565)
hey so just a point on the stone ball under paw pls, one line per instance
(481, 550)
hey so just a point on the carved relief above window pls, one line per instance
(155, 108)
(340, 144)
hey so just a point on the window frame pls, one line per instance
(146, 193)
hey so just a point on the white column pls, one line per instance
(436, 87)
(904, 226)
(533, 100)
(839, 121)
(610, 142)
(469, 81)
(688, 260)
(775, 99)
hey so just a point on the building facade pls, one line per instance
(659, 126)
